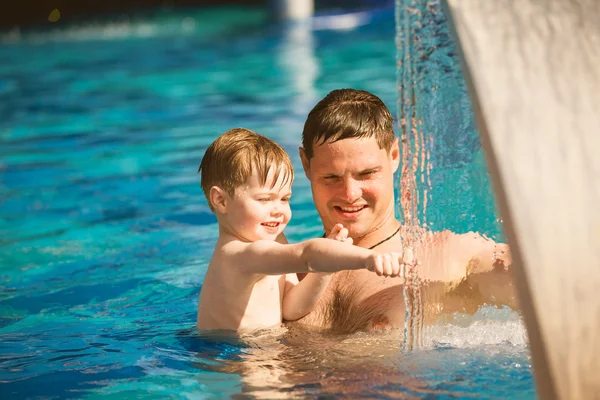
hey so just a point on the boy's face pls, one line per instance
(258, 212)
(352, 182)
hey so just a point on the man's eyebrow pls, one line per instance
(371, 169)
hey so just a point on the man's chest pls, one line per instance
(358, 300)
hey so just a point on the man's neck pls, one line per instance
(385, 232)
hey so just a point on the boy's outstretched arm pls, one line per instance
(301, 297)
(266, 257)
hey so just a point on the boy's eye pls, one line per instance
(264, 199)
(285, 199)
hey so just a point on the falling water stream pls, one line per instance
(434, 117)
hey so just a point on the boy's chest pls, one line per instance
(267, 294)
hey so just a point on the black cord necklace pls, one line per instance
(386, 239)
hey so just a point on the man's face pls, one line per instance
(352, 183)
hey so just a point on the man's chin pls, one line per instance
(355, 231)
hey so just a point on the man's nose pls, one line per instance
(352, 190)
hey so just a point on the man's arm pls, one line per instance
(490, 273)
(473, 268)
(301, 297)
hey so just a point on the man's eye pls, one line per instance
(329, 177)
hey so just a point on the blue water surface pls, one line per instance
(105, 235)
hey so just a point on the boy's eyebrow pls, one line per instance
(273, 192)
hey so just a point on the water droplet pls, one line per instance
(188, 24)
(54, 15)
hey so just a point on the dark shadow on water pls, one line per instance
(217, 345)
(64, 384)
(72, 296)
(197, 218)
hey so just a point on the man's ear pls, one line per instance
(218, 199)
(395, 155)
(305, 162)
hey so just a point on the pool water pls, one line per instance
(105, 235)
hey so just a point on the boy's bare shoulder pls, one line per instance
(237, 247)
(231, 247)
(234, 253)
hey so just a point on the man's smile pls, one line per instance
(349, 211)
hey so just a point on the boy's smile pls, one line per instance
(271, 227)
(258, 211)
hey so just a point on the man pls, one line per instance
(350, 154)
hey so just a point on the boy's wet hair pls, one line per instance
(348, 113)
(231, 159)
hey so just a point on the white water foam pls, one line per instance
(489, 326)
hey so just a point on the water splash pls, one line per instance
(414, 163)
(435, 122)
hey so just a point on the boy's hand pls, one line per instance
(340, 234)
(390, 264)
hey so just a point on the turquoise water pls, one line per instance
(105, 235)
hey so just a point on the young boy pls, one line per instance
(250, 282)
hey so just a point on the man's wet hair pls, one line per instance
(345, 114)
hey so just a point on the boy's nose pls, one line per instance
(277, 210)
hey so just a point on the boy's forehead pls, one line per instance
(283, 179)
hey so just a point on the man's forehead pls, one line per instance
(363, 150)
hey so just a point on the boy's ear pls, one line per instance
(218, 199)
(305, 162)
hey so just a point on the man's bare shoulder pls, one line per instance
(448, 256)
